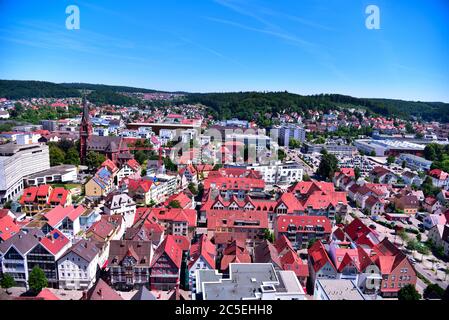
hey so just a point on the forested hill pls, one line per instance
(254, 105)
(244, 105)
(17, 89)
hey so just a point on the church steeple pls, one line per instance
(85, 131)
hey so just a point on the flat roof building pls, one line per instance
(248, 281)
(333, 289)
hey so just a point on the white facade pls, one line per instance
(278, 173)
(76, 273)
(123, 205)
(18, 161)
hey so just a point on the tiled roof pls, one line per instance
(8, 227)
(55, 242)
(57, 214)
(171, 249)
(203, 248)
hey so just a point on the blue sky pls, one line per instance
(306, 46)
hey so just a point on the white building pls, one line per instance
(249, 281)
(121, 204)
(414, 162)
(279, 173)
(77, 268)
(18, 161)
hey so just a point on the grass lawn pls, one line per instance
(67, 186)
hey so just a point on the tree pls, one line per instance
(94, 159)
(174, 204)
(72, 157)
(268, 235)
(57, 155)
(409, 293)
(390, 160)
(7, 281)
(294, 144)
(357, 173)
(37, 280)
(433, 291)
(192, 188)
(281, 154)
(328, 166)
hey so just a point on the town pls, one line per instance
(164, 199)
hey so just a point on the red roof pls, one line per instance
(110, 165)
(318, 256)
(59, 196)
(8, 227)
(142, 184)
(182, 198)
(203, 248)
(43, 190)
(46, 294)
(29, 195)
(55, 241)
(171, 249)
(182, 241)
(236, 219)
(133, 164)
(438, 174)
(57, 214)
(308, 187)
(175, 214)
(235, 252)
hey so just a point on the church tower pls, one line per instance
(85, 131)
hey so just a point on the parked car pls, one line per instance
(372, 226)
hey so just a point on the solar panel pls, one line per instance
(56, 235)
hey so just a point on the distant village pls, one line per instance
(169, 203)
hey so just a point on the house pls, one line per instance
(443, 197)
(130, 168)
(38, 198)
(234, 181)
(129, 263)
(282, 256)
(121, 204)
(320, 264)
(407, 203)
(176, 221)
(103, 231)
(374, 206)
(8, 225)
(101, 184)
(412, 179)
(140, 190)
(13, 255)
(361, 234)
(235, 252)
(78, 266)
(382, 175)
(202, 256)
(300, 230)
(190, 173)
(440, 179)
(434, 219)
(46, 253)
(65, 219)
(439, 234)
(237, 224)
(166, 265)
(432, 205)
(395, 268)
(101, 291)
